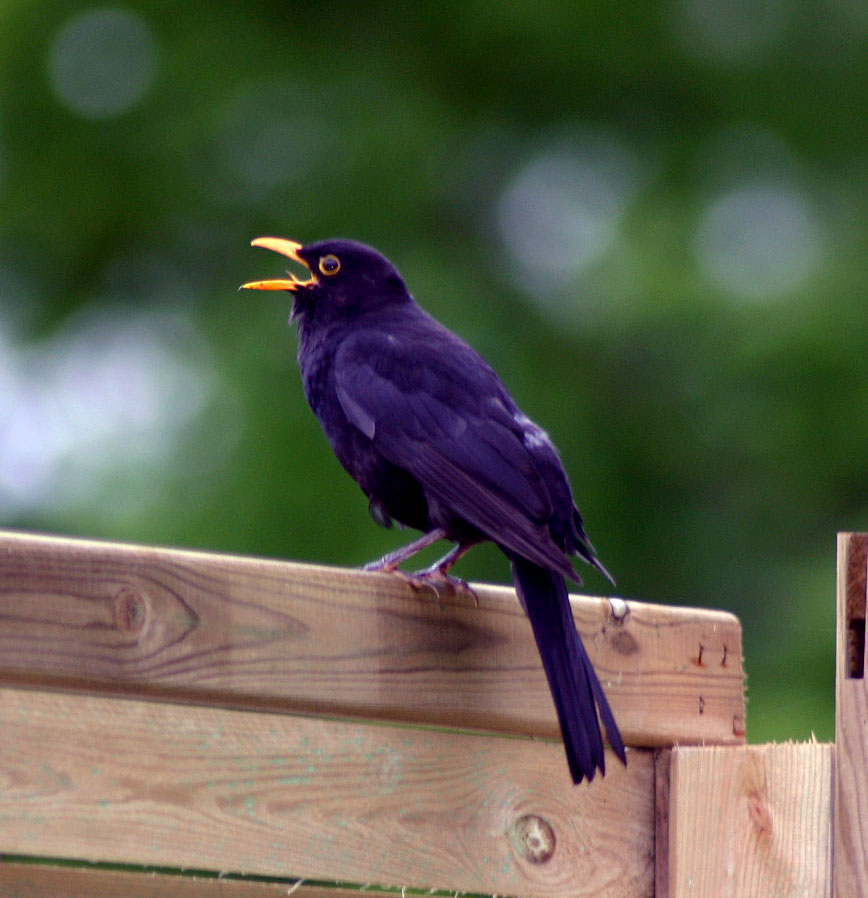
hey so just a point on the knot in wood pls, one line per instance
(759, 813)
(131, 609)
(534, 839)
(624, 643)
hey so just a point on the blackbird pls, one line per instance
(432, 436)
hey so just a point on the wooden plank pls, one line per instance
(32, 880)
(127, 781)
(245, 632)
(38, 880)
(851, 721)
(753, 821)
(662, 785)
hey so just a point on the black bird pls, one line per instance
(432, 436)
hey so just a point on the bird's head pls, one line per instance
(344, 279)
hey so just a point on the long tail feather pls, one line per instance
(574, 685)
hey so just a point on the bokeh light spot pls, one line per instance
(758, 240)
(102, 62)
(270, 134)
(560, 212)
(112, 393)
(730, 31)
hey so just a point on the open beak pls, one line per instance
(285, 248)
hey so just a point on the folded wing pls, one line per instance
(432, 406)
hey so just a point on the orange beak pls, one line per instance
(285, 248)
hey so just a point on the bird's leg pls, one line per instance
(450, 559)
(389, 563)
(431, 577)
(439, 571)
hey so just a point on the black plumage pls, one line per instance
(428, 430)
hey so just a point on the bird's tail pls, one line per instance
(577, 693)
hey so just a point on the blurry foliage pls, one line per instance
(649, 216)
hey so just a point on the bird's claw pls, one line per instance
(437, 579)
(433, 578)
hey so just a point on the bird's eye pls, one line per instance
(329, 265)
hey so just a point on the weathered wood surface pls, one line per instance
(662, 787)
(49, 880)
(751, 821)
(851, 721)
(30, 880)
(244, 632)
(154, 783)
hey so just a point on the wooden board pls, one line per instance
(33, 880)
(244, 632)
(851, 721)
(100, 778)
(752, 822)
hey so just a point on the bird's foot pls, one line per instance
(388, 565)
(437, 579)
(433, 579)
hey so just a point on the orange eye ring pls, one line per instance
(329, 265)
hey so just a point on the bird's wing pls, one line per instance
(433, 407)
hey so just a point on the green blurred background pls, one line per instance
(651, 217)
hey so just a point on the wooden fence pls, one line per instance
(187, 724)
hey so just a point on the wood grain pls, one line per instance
(851, 721)
(101, 778)
(31, 880)
(253, 633)
(752, 822)
(662, 787)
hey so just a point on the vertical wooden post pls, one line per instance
(749, 821)
(850, 864)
